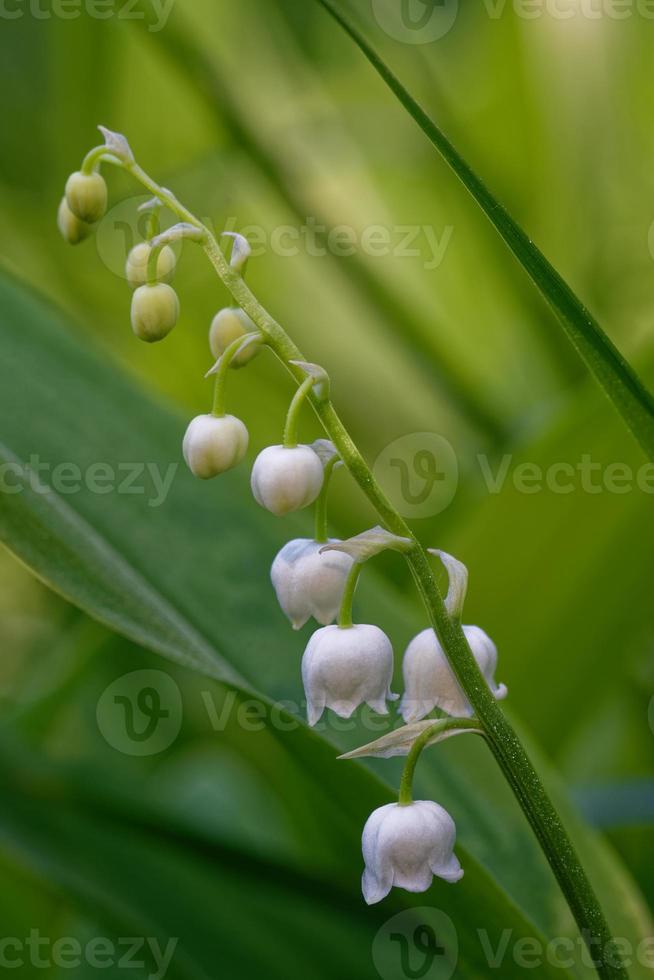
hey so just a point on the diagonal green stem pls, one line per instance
(615, 375)
(502, 739)
(224, 363)
(293, 417)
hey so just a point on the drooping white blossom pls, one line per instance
(343, 668)
(286, 479)
(429, 681)
(212, 445)
(404, 846)
(309, 583)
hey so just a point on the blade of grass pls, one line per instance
(615, 375)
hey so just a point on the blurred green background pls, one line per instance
(263, 117)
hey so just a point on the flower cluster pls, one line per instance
(345, 664)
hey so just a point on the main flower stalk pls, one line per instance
(499, 733)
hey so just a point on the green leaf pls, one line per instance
(189, 579)
(615, 375)
(89, 842)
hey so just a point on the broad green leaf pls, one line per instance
(188, 578)
(137, 872)
(616, 376)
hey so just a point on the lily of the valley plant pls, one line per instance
(448, 667)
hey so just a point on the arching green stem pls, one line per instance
(153, 224)
(500, 735)
(293, 418)
(153, 258)
(220, 386)
(92, 159)
(439, 727)
(345, 612)
(320, 533)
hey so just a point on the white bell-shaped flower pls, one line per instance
(404, 846)
(212, 445)
(429, 681)
(286, 479)
(345, 667)
(308, 583)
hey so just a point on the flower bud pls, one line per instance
(155, 309)
(429, 681)
(284, 480)
(212, 445)
(136, 266)
(404, 846)
(86, 195)
(343, 668)
(227, 326)
(72, 229)
(309, 583)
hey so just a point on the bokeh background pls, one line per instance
(262, 116)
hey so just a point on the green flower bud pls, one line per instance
(136, 266)
(155, 310)
(86, 195)
(72, 229)
(227, 326)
